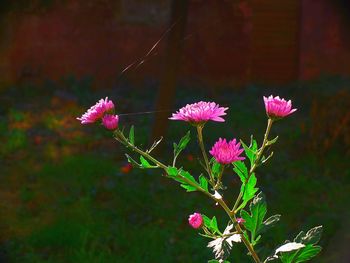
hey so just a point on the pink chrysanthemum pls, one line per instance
(200, 112)
(195, 220)
(110, 121)
(277, 107)
(226, 152)
(97, 111)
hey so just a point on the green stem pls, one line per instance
(218, 182)
(238, 228)
(123, 140)
(256, 162)
(204, 153)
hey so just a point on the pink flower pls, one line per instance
(97, 111)
(240, 220)
(226, 152)
(200, 112)
(195, 220)
(110, 121)
(278, 108)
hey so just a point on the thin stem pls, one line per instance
(123, 140)
(256, 162)
(218, 182)
(204, 153)
(240, 231)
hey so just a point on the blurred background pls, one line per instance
(67, 193)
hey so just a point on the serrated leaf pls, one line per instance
(248, 190)
(241, 170)
(311, 237)
(251, 150)
(254, 220)
(172, 171)
(206, 221)
(187, 175)
(308, 253)
(178, 148)
(179, 175)
(132, 135)
(203, 183)
(189, 188)
(214, 225)
(300, 253)
(216, 168)
(184, 141)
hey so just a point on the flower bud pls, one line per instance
(240, 220)
(195, 220)
(110, 121)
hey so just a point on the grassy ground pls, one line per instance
(67, 196)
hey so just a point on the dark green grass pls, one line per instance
(81, 208)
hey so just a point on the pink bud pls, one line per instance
(240, 220)
(110, 121)
(195, 220)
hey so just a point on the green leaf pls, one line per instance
(178, 148)
(187, 175)
(214, 225)
(241, 170)
(311, 237)
(206, 221)
(211, 224)
(189, 188)
(307, 253)
(248, 190)
(132, 135)
(184, 141)
(179, 175)
(251, 150)
(203, 183)
(301, 255)
(145, 163)
(216, 168)
(254, 220)
(172, 171)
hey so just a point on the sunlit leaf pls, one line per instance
(241, 170)
(145, 163)
(254, 220)
(203, 182)
(248, 190)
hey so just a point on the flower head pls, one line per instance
(200, 112)
(277, 107)
(195, 220)
(97, 111)
(226, 152)
(110, 121)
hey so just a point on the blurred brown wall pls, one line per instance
(268, 41)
